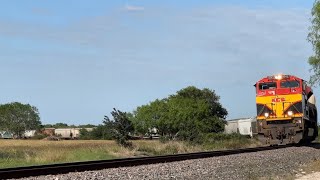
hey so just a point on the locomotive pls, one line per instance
(286, 110)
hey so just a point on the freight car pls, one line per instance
(243, 126)
(286, 110)
(70, 133)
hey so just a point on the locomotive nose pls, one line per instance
(286, 110)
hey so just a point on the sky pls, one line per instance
(76, 60)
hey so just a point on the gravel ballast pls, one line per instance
(275, 163)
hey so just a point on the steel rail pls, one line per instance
(54, 169)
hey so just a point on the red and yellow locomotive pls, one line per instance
(286, 110)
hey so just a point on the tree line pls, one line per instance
(314, 39)
(65, 125)
(189, 114)
(16, 118)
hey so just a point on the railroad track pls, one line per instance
(53, 169)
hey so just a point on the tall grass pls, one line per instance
(153, 148)
(228, 141)
(33, 152)
(15, 153)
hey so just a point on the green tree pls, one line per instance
(98, 133)
(64, 125)
(197, 112)
(61, 125)
(16, 118)
(121, 126)
(187, 114)
(314, 39)
(148, 116)
(86, 126)
(85, 135)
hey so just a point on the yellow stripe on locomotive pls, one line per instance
(281, 107)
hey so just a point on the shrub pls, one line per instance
(39, 136)
(121, 126)
(225, 141)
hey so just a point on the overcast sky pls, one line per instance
(75, 60)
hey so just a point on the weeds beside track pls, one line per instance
(53, 169)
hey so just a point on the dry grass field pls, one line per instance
(15, 153)
(35, 152)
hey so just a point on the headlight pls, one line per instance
(278, 77)
(266, 115)
(298, 121)
(290, 113)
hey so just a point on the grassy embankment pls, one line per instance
(14, 153)
(315, 165)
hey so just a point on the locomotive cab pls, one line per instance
(286, 111)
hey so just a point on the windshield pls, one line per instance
(268, 85)
(289, 84)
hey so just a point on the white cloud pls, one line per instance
(134, 8)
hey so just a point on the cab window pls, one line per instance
(268, 85)
(289, 84)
